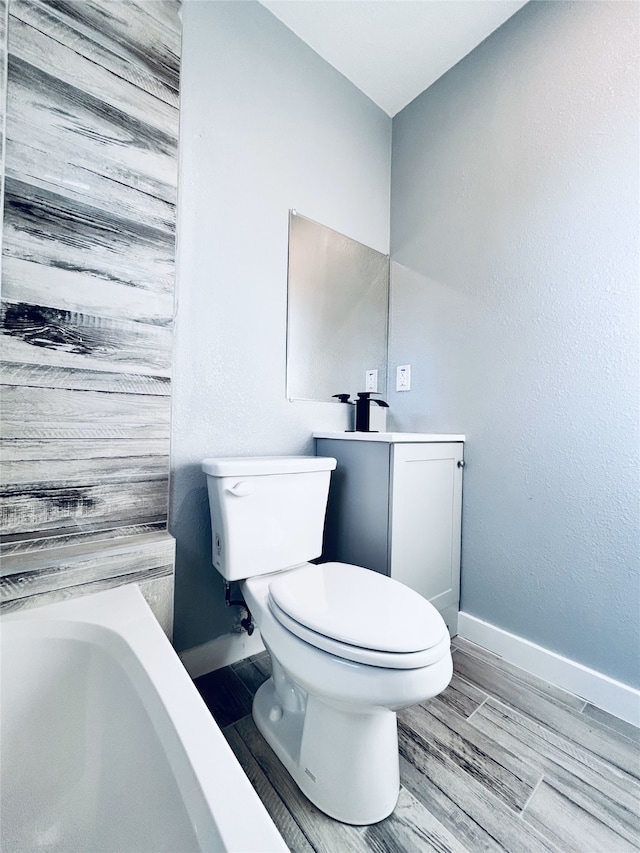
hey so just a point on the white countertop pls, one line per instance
(390, 437)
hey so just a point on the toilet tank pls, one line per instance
(267, 513)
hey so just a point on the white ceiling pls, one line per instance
(393, 50)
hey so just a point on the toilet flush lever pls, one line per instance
(240, 489)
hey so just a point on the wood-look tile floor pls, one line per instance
(501, 761)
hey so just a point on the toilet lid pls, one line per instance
(371, 657)
(357, 607)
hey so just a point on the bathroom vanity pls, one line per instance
(395, 507)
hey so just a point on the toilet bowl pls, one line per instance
(331, 719)
(348, 647)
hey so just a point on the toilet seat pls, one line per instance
(359, 615)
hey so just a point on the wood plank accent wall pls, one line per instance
(86, 314)
(3, 102)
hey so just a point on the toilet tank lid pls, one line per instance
(252, 466)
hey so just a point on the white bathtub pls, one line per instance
(106, 744)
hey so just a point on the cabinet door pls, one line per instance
(426, 505)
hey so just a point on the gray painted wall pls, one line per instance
(266, 125)
(515, 299)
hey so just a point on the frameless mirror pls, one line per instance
(337, 312)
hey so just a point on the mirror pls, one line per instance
(337, 312)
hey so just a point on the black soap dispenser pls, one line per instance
(363, 410)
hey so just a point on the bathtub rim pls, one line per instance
(239, 815)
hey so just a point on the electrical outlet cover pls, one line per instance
(403, 377)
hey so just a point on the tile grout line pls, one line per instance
(528, 682)
(484, 701)
(530, 797)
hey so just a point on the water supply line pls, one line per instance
(246, 624)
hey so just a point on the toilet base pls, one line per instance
(345, 760)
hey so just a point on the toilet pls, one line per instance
(348, 647)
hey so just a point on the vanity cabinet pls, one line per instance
(395, 507)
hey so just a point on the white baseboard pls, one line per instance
(613, 696)
(220, 652)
